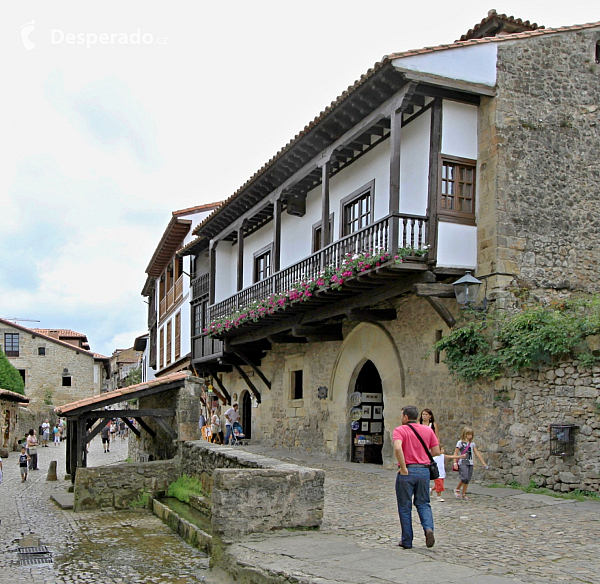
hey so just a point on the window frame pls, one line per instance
(351, 199)
(41, 351)
(317, 227)
(11, 353)
(453, 216)
(264, 251)
(293, 384)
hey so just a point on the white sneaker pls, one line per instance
(440, 499)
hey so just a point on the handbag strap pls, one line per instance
(423, 443)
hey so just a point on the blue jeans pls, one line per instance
(228, 433)
(413, 485)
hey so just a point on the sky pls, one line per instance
(116, 113)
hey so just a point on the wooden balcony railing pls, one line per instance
(411, 233)
(178, 289)
(200, 286)
(204, 346)
(174, 294)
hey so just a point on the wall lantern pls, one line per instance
(562, 439)
(466, 290)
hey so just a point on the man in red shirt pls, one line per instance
(412, 481)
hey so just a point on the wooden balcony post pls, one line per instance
(277, 235)
(394, 202)
(240, 257)
(325, 235)
(435, 149)
(212, 270)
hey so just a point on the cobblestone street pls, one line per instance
(500, 532)
(117, 546)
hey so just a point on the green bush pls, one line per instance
(183, 487)
(10, 378)
(142, 502)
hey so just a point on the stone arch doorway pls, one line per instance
(367, 433)
(366, 342)
(246, 414)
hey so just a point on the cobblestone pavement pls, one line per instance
(116, 546)
(500, 532)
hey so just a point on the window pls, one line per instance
(22, 374)
(317, 236)
(197, 309)
(11, 344)
(357, 209)
(41, 350)
(262, 263)
(66, 380)
(169, 343)
(177, 336)
(457, 195)
(598, 52)
(296, 384)
(161, 346)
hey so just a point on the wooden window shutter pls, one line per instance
(177, 336)
(169, 343)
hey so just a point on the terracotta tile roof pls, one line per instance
(125, 393)
(5, 394)
(197, 209)
(61, 333)
(507, 24)
(498, 39)
(170, 241)
(101, 357)
(361, 81)
(49, 338)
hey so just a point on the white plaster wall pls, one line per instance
(252, 244)
(225, 267)
(476, 64)
(459, 129)
(414, 166)
(186, 335)
(457, 245)
(373, 165)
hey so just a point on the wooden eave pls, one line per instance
(170, 242)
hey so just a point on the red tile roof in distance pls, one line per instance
(8, 395)
(499, 24)
(61, 333)
(364, 79)
(125, 392)
(49, 338)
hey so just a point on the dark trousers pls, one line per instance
(413, 488)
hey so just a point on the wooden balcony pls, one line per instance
(373, 237)
(174, 294)
(200, 286)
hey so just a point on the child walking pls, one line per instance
(441, 464)
(24, 458)
(56, 434)
(465, 448)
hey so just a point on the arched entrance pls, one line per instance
(367, 432)
(246, 416)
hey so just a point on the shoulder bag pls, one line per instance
(434, 471)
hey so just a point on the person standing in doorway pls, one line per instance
(232, 416)
(412, 480)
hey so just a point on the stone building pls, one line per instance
(121, 363)
(323, 282)
(9, 412)
(54, 371)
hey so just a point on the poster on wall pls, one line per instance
(376, 427)
(366, 411)
(372, 397)
(364, 427)
(378, 412)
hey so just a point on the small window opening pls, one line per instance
(562, 439)
(22, 374)
(598, 52)
(297, 389)
(66, 381)
(438, 337)
(41, 350)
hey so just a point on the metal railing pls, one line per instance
(411, 233)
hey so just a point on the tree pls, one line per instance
(10, 378)
(133, 377)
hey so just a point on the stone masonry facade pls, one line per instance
(44, 373)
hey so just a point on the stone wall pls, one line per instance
(44, 373)
(527, 405)
(539, 175)
(117, 486)
(252, 493)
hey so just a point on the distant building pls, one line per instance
(121, 364)
(9, 403)
(168, 291)
(56, 365)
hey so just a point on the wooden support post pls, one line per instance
(168, 430)
(254, 367)
(68, 453)
(132, 427)
(145, 426)
(249, 383)
(212, 271)
(240, 258)
(95, 431)
(435, 149)
(325, 235)
(81, 458)
(277, 235)
(226, 398)
(441, 310)
(394, 202)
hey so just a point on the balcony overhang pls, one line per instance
(169, 243)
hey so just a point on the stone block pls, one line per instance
(567, 477)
